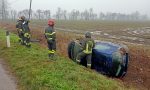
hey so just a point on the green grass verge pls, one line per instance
(35, 71)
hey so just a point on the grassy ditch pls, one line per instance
(35, 71)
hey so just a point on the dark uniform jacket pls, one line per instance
(19, 26)
(22, 26)
(50, 34)
(87, 45)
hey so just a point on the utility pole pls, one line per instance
(3, 10)
(1, 4)
(0, 9)
(30, 9)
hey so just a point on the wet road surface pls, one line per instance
(6, 81)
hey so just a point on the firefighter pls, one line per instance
(20, 30)
(23, 31)
(87, 45)
(50, 35)
(27, 34)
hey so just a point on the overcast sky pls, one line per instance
(119, 6)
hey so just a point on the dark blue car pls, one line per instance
(108, 58)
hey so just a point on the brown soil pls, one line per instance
(139, 68)
(138, 74)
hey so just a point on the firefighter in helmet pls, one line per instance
(50, 35)
(20, 29)
(23, 31)
(87, 45)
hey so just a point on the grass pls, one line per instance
(35, 71)
(138, 53)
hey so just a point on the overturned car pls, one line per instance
(107, 58)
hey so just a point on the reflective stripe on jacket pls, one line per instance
(50, 34)
(87, 45)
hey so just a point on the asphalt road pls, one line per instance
(6, 81)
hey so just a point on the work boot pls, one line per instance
(77, 61)
(22, 43)
(19, 40)
(88, 65)
(28, 46)
(51, 56)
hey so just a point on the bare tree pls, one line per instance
(13, 14)
(86, 15)
(91, 15)
(0, 7)
(64, 14)
(47, 14)
(3, 9)
(58, 13)
(39, 13)
(74, 15)
(61, 14)
(25, 13)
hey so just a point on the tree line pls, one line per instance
(4, 9)
(62, 14)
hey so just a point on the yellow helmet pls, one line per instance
(21, 18)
